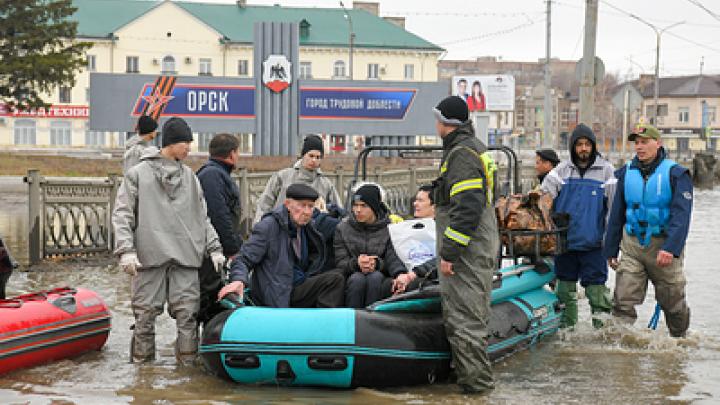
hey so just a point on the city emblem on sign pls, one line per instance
(276, 73)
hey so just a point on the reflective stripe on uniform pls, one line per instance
(443, 168)
(457, 236)
(470, 184)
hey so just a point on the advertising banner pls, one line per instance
(486, 92)
(355, 103)
(191, 100)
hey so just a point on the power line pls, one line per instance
(463, 15)
(636, 17)
(493, 34)
(707, 10)
(623, 13)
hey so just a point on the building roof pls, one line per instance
(328, 26)
(681, 86)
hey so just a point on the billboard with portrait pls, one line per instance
(486, 92)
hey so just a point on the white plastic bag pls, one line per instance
(414, 241)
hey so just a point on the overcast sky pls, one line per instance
(515, 30)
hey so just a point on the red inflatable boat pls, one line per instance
(51, 325)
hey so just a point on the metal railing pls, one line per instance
(69, 216)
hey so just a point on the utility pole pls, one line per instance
(587, 82)
(352, 38)
(548, 140)
(702, 64)
(658, 33)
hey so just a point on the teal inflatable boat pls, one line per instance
(396, 342)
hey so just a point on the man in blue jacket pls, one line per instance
(223, 208)
(649, 223)
(582, 187)
(287, 256)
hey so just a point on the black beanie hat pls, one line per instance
(312, 142)
(146, 125)
(176, 130)
(299, 191)
(452, 111)
(370, 195)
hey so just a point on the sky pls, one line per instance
(515, 30)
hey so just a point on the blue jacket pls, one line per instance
(325, 223)
(678, 225)
(269, 254)
(223, 203)
(585, 194)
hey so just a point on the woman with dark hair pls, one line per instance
(476, 99)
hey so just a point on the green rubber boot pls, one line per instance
(567, 295)
(600, 302)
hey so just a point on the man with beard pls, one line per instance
(582, 187)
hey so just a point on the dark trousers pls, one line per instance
(4, 276)
(210, 285)
(362, 289)
(324, 290)
(588, 267)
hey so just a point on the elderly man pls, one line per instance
(287, 256)
(649, 223)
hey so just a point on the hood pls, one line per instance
(583, 131)
(135, 140)
(169, 173)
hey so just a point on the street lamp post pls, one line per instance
(658, 33)
(352, 37)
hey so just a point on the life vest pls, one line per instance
(648, 203)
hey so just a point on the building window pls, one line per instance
(91, 67)
(168, 64)
(338, 143)
(132, 64)
(94, 138)
(306, 70)
(246, 144)
(24, 132)
(204, 139)
(683, 114)
(65, 94)
(60, 133)
(205, 67)
(243, 67)
(711, 115)
(662, 110)
(373, 71)
(339, 69)
(409, 72)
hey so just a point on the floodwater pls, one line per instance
(611, 366)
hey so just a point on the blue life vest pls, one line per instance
(648, 203)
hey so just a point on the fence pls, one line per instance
(70, 217)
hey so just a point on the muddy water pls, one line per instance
(615, 365)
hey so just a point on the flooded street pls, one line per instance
(612, 366)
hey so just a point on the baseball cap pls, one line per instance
(644, 131)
